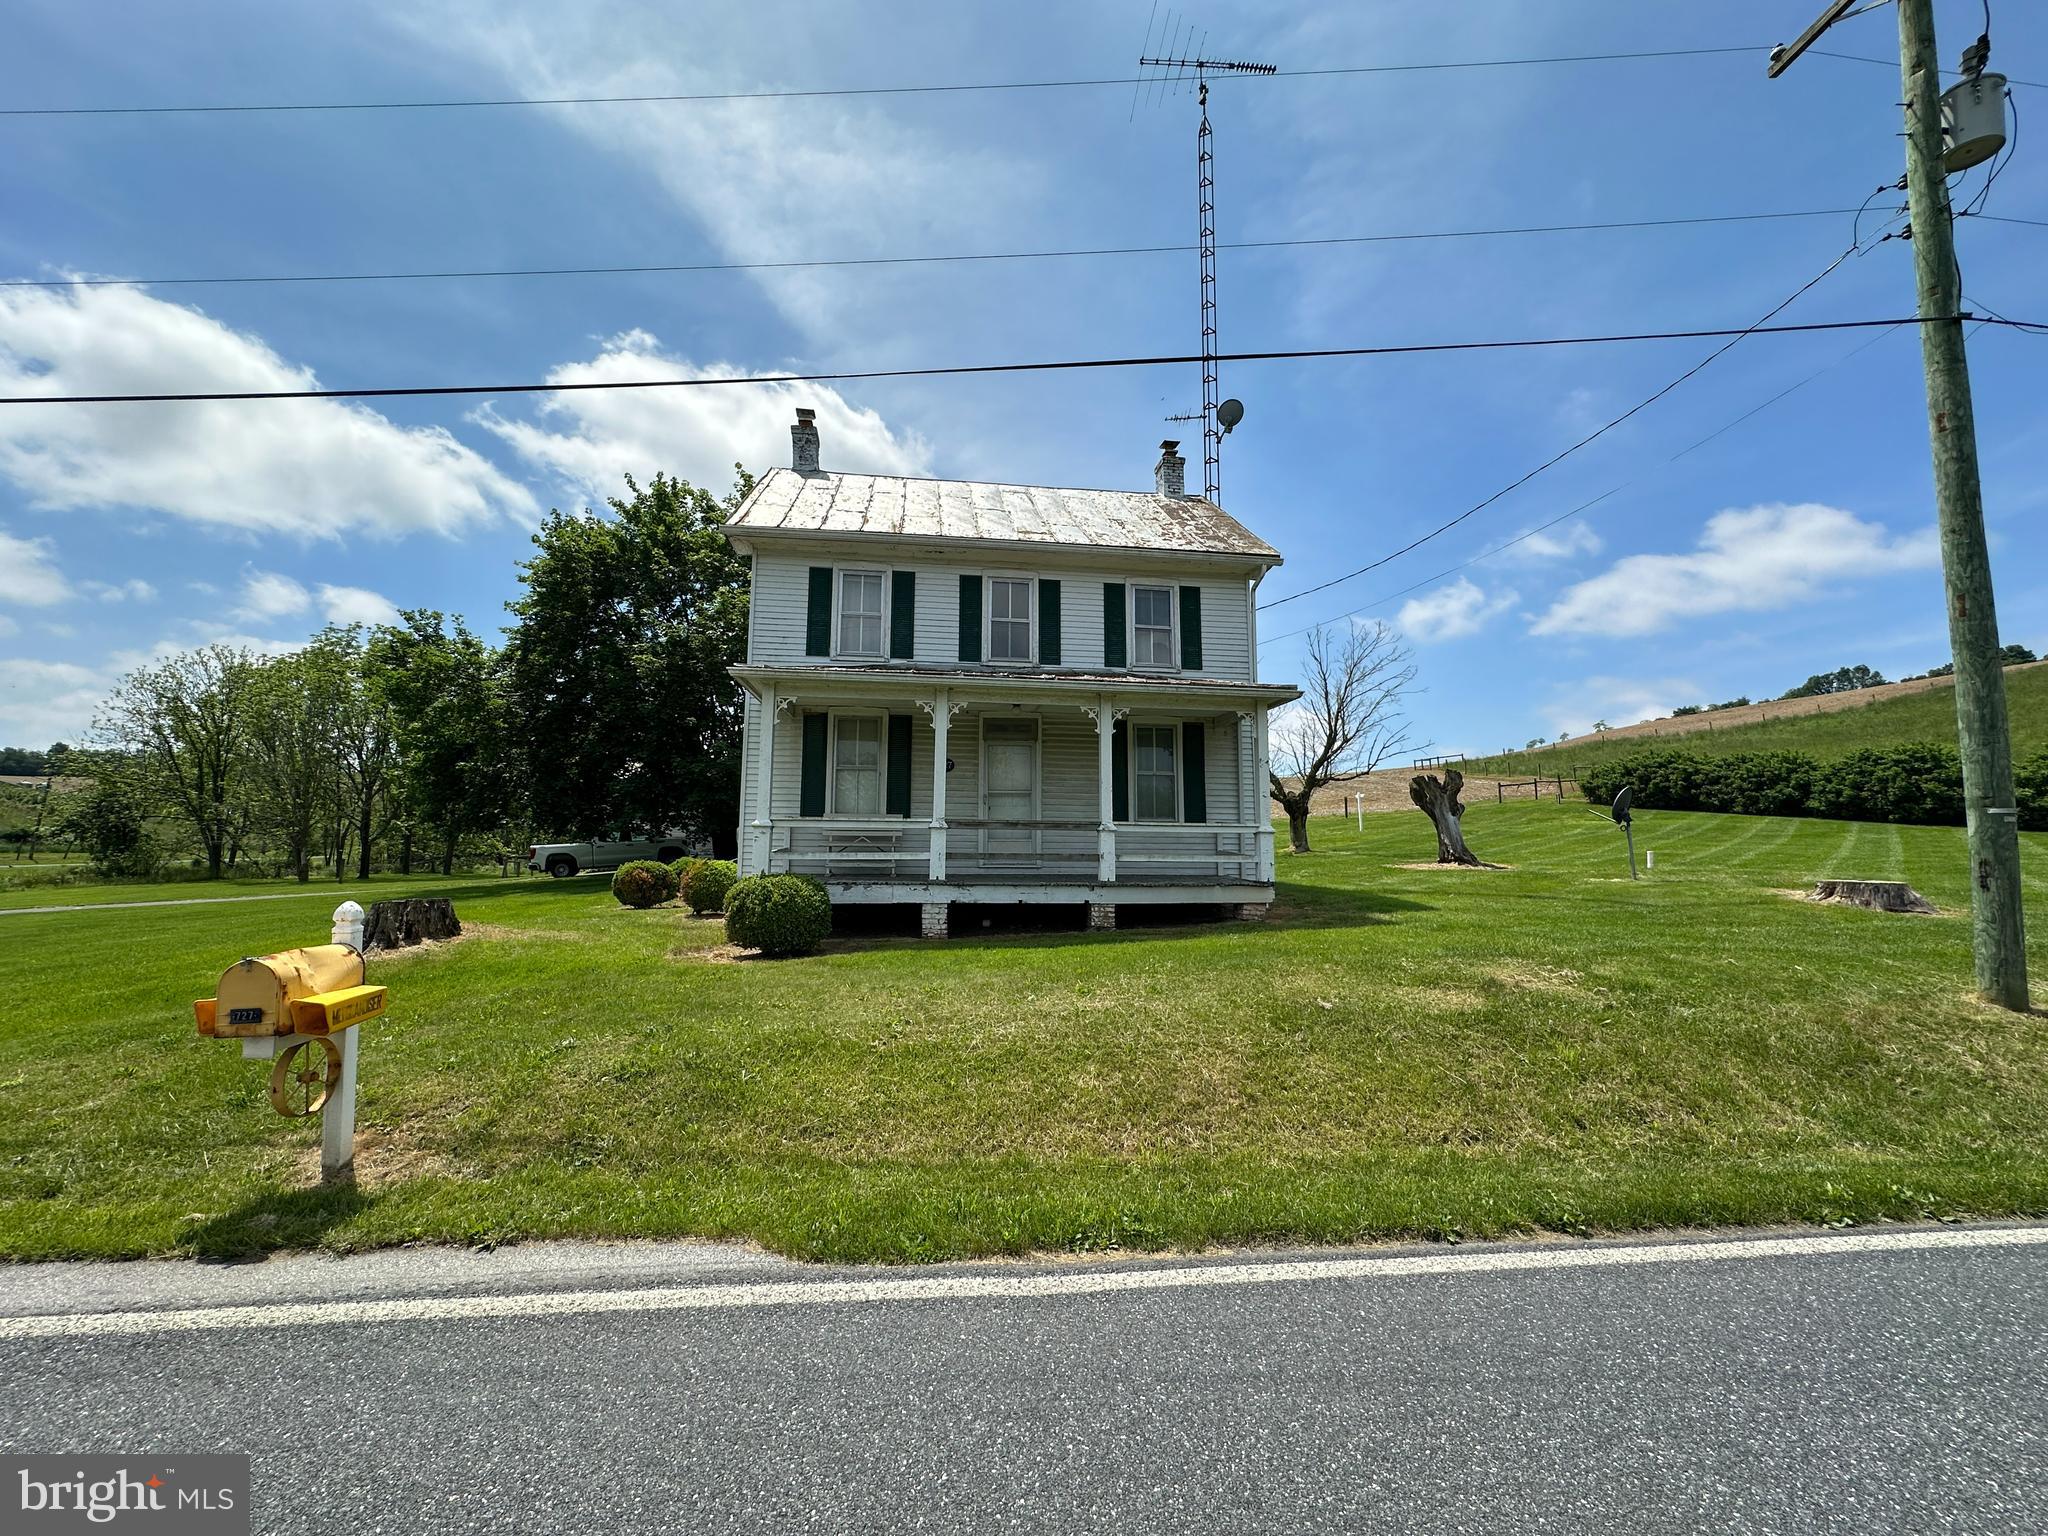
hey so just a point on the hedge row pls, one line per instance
(1920, 783)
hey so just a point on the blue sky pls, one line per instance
(1797, 541)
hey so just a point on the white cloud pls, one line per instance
(311, 468)
(1748, 560)
(1616, 700)
(763, 178)
(267, 595)
(1450, 612)
(588, 439)
(46, 701)
(137, 591)
(1566, 542)
(29, 574)
(356, 605)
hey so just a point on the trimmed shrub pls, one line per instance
(778, 914)
(644, 883)
(681, 869)
(1918, 782)
(707, 884)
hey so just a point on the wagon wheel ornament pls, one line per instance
(304, 1076)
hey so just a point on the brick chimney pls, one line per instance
(1170, 473)
(803, 442)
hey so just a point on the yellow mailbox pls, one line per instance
(312, 991)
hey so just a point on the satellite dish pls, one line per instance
(1621, 806)
(1229, 414)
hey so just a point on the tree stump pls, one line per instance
(1878, 895)
(398, 924)
(1438, 800)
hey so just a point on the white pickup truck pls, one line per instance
(564, 859)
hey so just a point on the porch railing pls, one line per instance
(976, 850)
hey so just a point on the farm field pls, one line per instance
(1827, 726)
(1396, 1052)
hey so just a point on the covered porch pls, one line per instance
(936, 786)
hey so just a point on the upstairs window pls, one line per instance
(860, 613)
(1152, 626)
(1154, 788)
(857, 765)
(1009, 619)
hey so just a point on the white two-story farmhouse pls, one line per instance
(961, 692)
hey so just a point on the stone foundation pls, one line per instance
(936, 914)
(1101, 915)
(1250, 912)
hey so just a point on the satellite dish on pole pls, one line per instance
(1229, 414)
(1621, 800)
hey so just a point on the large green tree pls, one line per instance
(295, 722)
(184, 724)
(618, 664)
(459, 759)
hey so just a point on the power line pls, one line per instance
(891, 261)
(1563, 454)
(839, 91)
(1584, 506)
(1067, 365)
(1864, 58)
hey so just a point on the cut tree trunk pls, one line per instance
(1438, 800)
(397, 924)
(1878, 895)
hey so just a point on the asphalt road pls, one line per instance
(1867, 1382)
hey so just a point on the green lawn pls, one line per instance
(1912, 717)
(1395, 1052)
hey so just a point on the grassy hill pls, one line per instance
(1829, 727)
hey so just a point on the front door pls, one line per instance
(1009, 773)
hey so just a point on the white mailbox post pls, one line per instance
(338, 1114)
(298, 1010)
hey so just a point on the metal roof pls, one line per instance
(899, 506)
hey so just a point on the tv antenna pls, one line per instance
(1175, 67)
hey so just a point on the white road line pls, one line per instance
(999, 1287)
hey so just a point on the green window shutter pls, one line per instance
(1120, 772)
(970, 618)
(811, 797)
(818, 619)
(1048, 623)
(1194, 771)
(896, 798)
(1115, 647)
(902, 615)
(1191, 629)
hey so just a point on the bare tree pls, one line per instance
(1347, 721)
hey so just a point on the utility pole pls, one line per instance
(1998, 936)
(1996, 922)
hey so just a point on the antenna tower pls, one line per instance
(1175, 68)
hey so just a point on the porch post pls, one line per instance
(763, 839)
(1262, 796)
(942, 710)
(1105, 834)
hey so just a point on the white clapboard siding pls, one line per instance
(1069, 765)
(781, 597)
